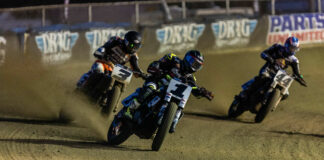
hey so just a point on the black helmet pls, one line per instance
(193, 61)
(132, 41)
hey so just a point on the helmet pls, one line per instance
(292, 45)
(154, 68)
(193, 61)
(132, 41)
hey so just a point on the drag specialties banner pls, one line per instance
(98, 37)
(233, 32)
(3, 43)
(308, 28)
(179, 37)
(56, 47)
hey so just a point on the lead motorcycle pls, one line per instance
(154, 118)
(106, 89)
(266, 98)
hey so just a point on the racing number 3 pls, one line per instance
(124, 74)
(180, 89)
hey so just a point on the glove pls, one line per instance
(209, 95)
(302, 82)
(141, 74)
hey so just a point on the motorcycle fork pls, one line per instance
(161, 113)
(266, 96)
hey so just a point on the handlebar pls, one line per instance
(144, 76)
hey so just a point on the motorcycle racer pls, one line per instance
(275, 56)
(170, 66)
(115, 51)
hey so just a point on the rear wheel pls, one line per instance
(235, 109)
(118, 132)
(165, 126)
(272, 103)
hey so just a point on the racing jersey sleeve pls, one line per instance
(294, 63)
(191, 80)
(134, 63)
(268, 54)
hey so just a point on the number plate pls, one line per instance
(122, 74)
(283, 79)
(179, 90)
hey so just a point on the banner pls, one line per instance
(3, 43)
(233, 32)
(56, 47)
(178, 37)
(98, 37)
(308, 28)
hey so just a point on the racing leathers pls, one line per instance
(169, 66)
(111, 53)
(277, 56)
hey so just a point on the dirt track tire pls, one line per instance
(276, 96)
(113, 102)
(165, 127)
(124, 133)
(235, 110)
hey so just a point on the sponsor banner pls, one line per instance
(233, 32)
(3, 43)
(308, 28)
(98, 37)
(178, 37)
(56, 47)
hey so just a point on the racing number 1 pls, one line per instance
(179, 91)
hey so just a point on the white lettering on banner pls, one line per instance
(56, 46)
(308, 28)
(179, 37)
(3, 42)
(98, 37)
(233, 32)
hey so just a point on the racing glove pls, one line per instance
(204, 92)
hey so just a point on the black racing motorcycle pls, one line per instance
(154, 117)
(266, 98)
(106, 89)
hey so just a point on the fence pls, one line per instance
(142, 12)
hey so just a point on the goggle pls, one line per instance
(294, 49)
(195, 64)
(133, 45)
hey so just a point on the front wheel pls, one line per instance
(165, 126)
(272, 103)
(113, 101)
(118, 132)
(235, 109)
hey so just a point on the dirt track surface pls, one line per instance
(33, 98)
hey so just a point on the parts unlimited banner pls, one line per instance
(308, 28)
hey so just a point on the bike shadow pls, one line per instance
(298, 133)
(74, 144)
(34, 121)
(217, 117)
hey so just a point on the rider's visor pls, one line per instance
(294, 49)
(194, 63)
